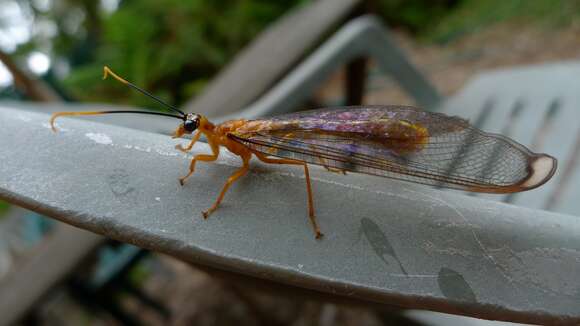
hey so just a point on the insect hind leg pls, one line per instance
(311, 215)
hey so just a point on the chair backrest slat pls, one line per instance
(539, 107)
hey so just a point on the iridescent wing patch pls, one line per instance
(402, 143)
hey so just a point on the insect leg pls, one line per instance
(191, 143)
(328, 168)
(201, 157)
(243, 170)
(311, 215)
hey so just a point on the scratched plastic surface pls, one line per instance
(385, 241)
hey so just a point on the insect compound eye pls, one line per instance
(190, 125)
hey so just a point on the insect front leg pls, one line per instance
(201, 157)
(238, 174)
(311, 215)
(191, 143)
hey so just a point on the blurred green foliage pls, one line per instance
(473, 15)
(417, 16)
(447, 20)
(4, 207)
(171, 47)
(174, 47)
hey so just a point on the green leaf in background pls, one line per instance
(4, 207)
(168, 46)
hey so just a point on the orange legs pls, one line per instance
(330, 169)
(209, 158)
(201, 157)
(325, 165)
(190, 145)
(246, 156)
(238, 174)
(311, 215)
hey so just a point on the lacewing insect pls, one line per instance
(398, 142)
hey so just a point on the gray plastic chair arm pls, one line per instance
(385, 242)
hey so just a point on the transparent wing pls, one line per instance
(403, 143)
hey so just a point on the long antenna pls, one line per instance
(107, 71)
(76, 113)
